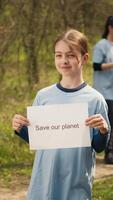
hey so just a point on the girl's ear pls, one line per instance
(85, 58)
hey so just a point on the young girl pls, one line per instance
(103, 77)
(66, 174)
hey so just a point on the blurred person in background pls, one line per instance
(103, 77)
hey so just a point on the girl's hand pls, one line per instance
(19, 121)
(97, 121)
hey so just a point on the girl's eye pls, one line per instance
(58, 55)
(71, 55)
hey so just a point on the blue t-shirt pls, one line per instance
(66, 174)
(103, 80)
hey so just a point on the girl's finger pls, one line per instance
(96, 124)
(21, 122)
(93, 117)
(94, 120)
(20, 117)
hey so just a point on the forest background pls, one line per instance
(28, 29)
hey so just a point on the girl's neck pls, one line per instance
(70, 83)
(110, 38)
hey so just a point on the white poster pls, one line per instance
(58, 126)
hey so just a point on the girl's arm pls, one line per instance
(19, 124)
(102, 66)
(99, 142)
(100, 125)
(23, 133)
(99, 56)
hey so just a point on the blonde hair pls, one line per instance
(75, 40)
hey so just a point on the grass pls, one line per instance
(103, 189)
(12, 174)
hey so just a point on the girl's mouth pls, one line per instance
(65, 67)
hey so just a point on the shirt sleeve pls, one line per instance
(98, 54)
(97, 66)
(23, 133)
(99, 140)
(24, 130)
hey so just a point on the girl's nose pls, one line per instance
(65, 60)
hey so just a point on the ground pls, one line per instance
(17, 188)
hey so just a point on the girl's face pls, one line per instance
(68, 62)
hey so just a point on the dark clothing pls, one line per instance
(109, 147)
(110, 115)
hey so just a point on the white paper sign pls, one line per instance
(58, 126)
